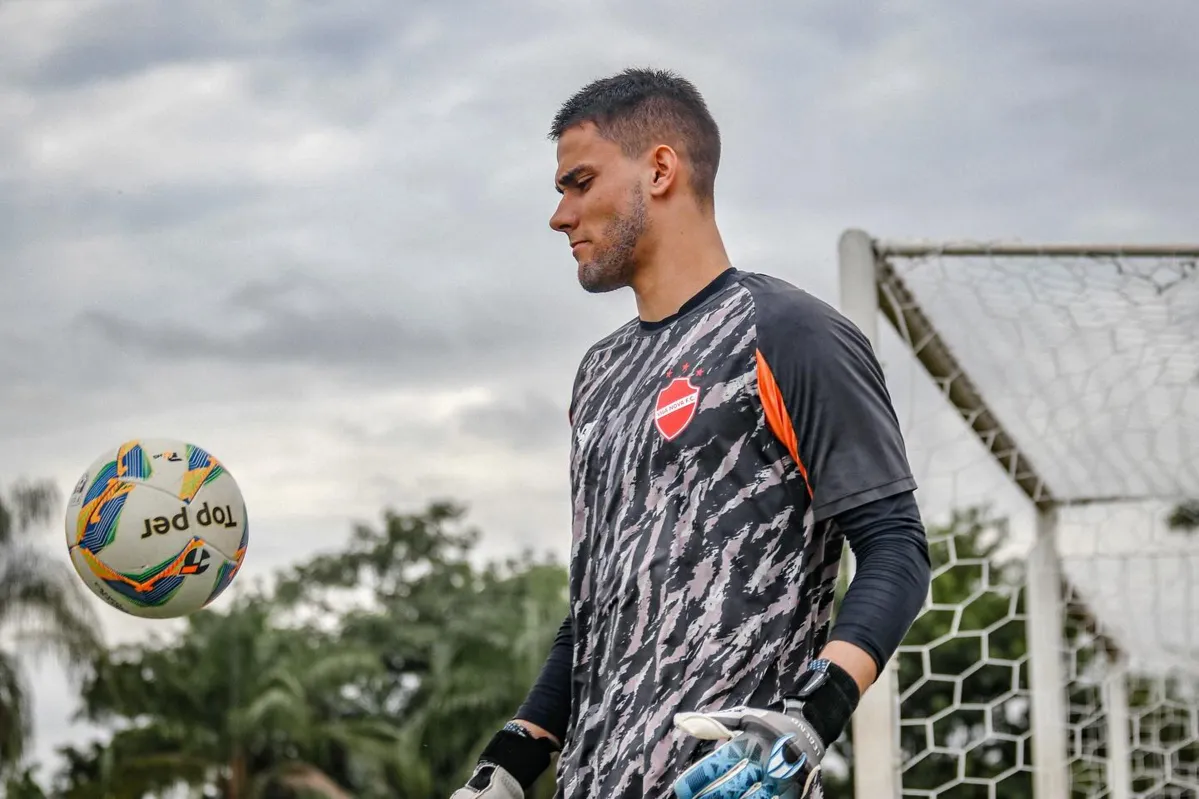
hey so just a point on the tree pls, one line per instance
(42, 607)
(237, 706)
(1185, 516)
(377, 670)
(462, 644)
(481, 670)
(22, 785)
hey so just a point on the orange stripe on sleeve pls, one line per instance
(777, 416)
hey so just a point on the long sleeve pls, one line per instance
(892, 576)
(548, 702)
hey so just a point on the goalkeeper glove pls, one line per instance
(511, 762)
(770, 753)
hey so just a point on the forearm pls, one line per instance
(888, 589)
(546, 710)
(856, 661)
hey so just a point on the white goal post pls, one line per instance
(1049, 396)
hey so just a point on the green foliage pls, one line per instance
(22, 785)
(379, 670)
(42, 608)
(234, 705)
(1185, 516)
(462, 644)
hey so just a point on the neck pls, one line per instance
(684, 259)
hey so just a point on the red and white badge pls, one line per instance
(676, 407)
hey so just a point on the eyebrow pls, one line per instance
(571, 178)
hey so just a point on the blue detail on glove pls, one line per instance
(737, 770)
(777, 766)
(761, 753)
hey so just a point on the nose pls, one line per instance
(563, 219)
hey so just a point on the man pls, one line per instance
(725, 443)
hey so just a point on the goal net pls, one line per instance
(1049, 397)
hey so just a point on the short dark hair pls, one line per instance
(639, 108)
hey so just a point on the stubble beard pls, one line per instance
(612, 267)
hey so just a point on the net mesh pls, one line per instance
(1031, 380)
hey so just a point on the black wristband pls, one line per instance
(519, 754)
(829, 696)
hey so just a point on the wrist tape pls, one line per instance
(520, 754)
(829, 696)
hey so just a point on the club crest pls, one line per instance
(676, 407)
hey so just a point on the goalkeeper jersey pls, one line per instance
(710, 455)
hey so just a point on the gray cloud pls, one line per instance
(117, 209)
(113, 40)
(458, 339)
(519, 422)
(348, 198)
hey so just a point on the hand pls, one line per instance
(510, 763)
(490, 782)
(772, 753)
(766, 754)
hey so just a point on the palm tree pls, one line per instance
(237, 706)
(462, 644)
(490, 651)
(393, 696)
(42, 608)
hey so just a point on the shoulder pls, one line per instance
(601, 351)
(614, 340)
(784, 310)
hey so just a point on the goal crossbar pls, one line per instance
(906, 249)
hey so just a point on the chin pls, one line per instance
(598, 280)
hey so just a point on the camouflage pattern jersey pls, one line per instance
(710, 455)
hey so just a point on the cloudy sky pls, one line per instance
(313, 237)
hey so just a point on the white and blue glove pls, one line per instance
(511, 762)
(770, 753)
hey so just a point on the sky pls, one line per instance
(313, 237)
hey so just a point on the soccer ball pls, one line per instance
(157, 528)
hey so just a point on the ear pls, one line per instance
(664, 166)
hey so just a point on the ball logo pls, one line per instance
(77, 493)
(107, 597)
(205, 517)
(676, 407)
(196, 562)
